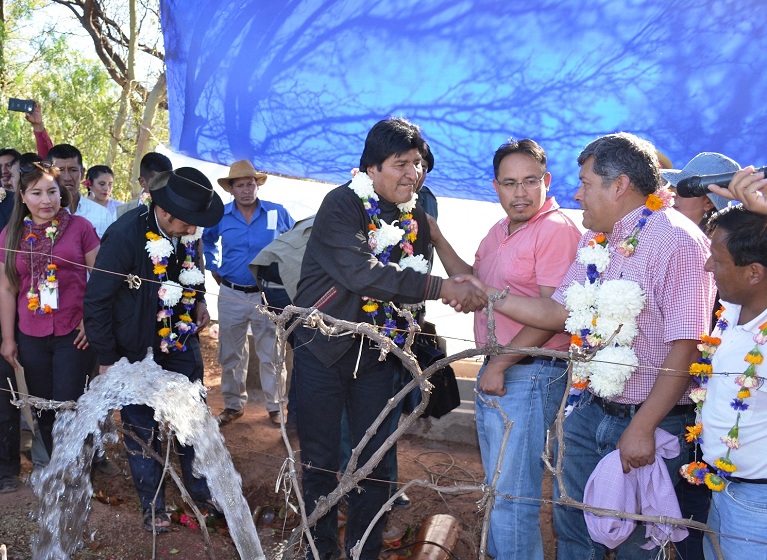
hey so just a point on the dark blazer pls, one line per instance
(338, 269)
(121, 321)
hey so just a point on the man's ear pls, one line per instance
(757, 273)
(622, 184)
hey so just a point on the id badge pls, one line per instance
(49, 297)
(271, 219)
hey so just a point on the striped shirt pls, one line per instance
(668, 265)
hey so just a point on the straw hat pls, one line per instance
(240, 169)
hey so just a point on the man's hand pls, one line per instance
(203, 317)
(491, 382)
(637, 447)
(35, 118)
(748, 187)
(80, 340)
(462, 295)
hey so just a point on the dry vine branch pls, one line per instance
(167, 467)
(290, 319)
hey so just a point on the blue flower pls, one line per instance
(738, 404)
(591, 273)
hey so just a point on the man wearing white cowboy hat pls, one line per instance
(121, 320)
(248, 225)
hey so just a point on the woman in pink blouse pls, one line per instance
(46, 253)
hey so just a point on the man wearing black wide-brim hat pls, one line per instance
(157, 244)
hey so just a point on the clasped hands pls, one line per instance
(464, 292)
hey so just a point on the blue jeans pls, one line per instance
(590, 435)
(54, 369)
(322, 393)
(738, 510)
(139, 418)
(533, 395)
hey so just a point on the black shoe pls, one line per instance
(9, 484)
(402, 500)
(229, 415)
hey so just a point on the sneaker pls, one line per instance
(9, 484)
(228, 415)
(274, 417)
(402, 500)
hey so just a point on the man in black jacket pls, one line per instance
(367, 254)
(125, 318)
(10, 423)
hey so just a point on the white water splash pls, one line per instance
(64, 487)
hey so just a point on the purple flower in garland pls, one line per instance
(372, 208)
(592, 273)
(738, 404)
(385, 257)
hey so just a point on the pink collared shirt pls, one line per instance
(538, 253)
(668, 265)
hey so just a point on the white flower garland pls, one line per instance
(385, 236)
(362, 185)
(192, 238)
(170, 293)
(416, 262)
(159, 249)
(191, 276)
(596, 310)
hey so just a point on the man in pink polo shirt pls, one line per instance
(529, 251)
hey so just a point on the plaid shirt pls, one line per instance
(668, 265)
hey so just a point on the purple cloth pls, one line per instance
(647, 490)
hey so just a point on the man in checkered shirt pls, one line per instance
(618, 172)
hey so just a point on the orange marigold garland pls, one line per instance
(697, 472)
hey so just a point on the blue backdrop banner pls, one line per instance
(295, 85)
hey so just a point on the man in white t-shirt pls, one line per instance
(734, 412)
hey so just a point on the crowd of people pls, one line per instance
(636, 292)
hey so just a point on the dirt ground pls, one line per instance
(115, 530)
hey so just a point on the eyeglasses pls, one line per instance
(33, 165)
(529, 184)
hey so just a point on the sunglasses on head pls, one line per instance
(33, 165)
